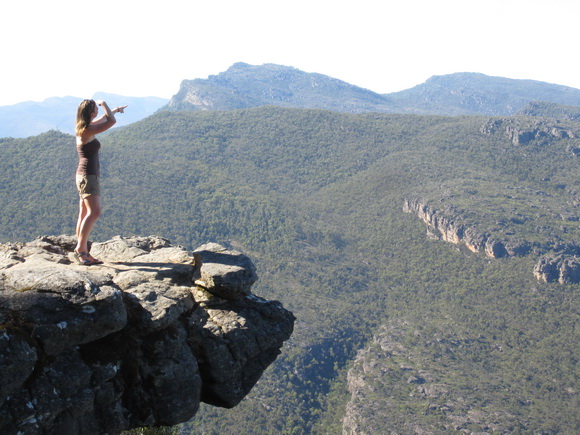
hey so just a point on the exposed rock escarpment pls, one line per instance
(133, 342)
(558, 262)
(453, 230)
(523, 133)
(558, 268)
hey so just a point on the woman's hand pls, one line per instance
(120, 109)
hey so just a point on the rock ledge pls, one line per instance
(138, 341)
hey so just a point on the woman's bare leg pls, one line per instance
(89, 212)
(82, 214)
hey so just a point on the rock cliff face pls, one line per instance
(558, 268)
(557, 263)
(450, 229)
(137, 341)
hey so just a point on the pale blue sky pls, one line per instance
(136, 48)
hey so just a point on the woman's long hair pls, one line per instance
(84, 112)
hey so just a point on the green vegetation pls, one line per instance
(551, 110)
(315, 199)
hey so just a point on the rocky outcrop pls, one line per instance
(439, 226)
(138, 341)
(559, 262)
(453, 230)
(523, 133)
(558, 268)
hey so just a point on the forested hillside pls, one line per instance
(316, 199)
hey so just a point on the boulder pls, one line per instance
(224, 272)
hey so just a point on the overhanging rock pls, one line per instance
(130, 343)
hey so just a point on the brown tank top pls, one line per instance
(89, 158)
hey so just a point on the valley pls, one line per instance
(395, 330)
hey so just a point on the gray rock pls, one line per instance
(558, 268)
(226, 273)
(559, 261)
(235, 343)
(495, 249)
(570, 271)
(130, 343)
(17, 361)
(61, 307)
(157, 305)
(9, 255)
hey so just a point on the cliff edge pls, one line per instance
(138, 341)
(557, 261)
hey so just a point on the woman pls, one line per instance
(87, 175)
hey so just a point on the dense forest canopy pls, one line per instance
(315, 198)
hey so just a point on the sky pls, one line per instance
(137, 48)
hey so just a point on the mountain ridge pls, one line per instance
(245, 86)
(476, 93)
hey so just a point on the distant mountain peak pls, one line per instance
(464, 93)
(469, 93)
(243, 86)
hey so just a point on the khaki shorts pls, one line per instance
(88, 185)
